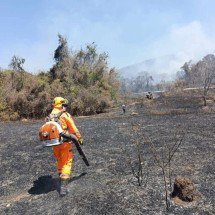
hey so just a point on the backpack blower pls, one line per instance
(51, 134)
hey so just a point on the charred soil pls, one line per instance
(28, 177)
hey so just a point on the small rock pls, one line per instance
(134, 114)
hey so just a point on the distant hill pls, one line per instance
(161, 68)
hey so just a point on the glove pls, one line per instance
(81, 141)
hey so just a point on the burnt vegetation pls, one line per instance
(159, 161)
(157, 157)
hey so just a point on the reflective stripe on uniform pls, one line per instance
(64, 176)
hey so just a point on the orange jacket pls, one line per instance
(67, 123)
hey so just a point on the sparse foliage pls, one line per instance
(207, 68)
(163, 160)
(199, 75)
(17, 63)
(163, 155)
(135, 161)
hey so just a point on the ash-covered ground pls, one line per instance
(28, 177)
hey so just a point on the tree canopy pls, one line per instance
(82, 76)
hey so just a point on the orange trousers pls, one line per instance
(64, 157)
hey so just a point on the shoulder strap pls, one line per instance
(55, 117)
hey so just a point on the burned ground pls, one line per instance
(29, 182)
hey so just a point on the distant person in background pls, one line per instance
(123, 108)
(149, 95)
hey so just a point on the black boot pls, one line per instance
(63, 187)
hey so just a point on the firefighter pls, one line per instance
(123, 108)
(149, 95)
(63, 152)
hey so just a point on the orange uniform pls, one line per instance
(63, 152)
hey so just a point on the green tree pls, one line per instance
(17, 63)
(62, 50)
(62, 58)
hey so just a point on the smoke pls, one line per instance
(183, 43)
(191, 42)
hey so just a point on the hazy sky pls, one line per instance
(130, 31)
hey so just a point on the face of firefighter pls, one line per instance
(64, 107)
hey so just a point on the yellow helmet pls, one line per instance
(59, 102)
